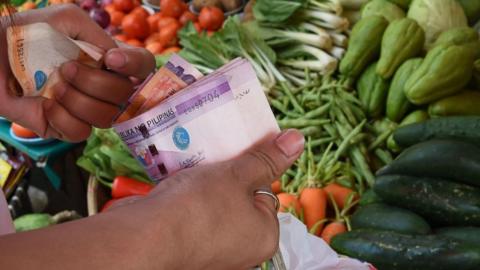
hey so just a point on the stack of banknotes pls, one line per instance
(177, 118)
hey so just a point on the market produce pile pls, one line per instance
(364, 81)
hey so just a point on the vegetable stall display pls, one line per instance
(364, 81)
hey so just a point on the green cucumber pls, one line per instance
(385, 217)
(463, 128)
(470, 235)
(441, 202)
(33, 221)
(369, 197)
(453, 160)
(388, 250)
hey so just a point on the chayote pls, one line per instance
(383, 8)
(463, 103)
(372, 91)
(472, 9)
(445, 71)
(402, 3)
(397, 102)
(364, 45)
(457, 36)
(402, 40)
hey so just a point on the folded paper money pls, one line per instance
(36, 51)
(215, 118)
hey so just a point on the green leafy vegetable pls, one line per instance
(106, 157)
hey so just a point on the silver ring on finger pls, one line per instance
(271, 195)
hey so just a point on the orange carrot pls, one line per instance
(276, 187)
(340, 193)
(332, 229)
(314, 204)
(288, 201)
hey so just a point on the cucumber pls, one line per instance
(388, 250)
(463, 128)
(369, 197)
(452, 160)
(385, 217)
(32, 221)
(470, 235)
(440, 202)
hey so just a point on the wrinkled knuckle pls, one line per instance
(267, 163)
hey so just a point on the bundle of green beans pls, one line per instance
(341, 145)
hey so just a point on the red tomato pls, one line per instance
(116, 18)
(211, 18)
(140, 11)
(121, 37)
(172, 8)
(187, 16)
(29, 6)
(23, 132)
(164, 21)
(168, 34)
(134, 42)
(123, 5)
(173, 49)
(155, 48)
(137, 3)
(198, 27)
(155, 37)
(135, 26)
(110, 8)
(153, 21)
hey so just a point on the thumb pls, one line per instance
(265, 162)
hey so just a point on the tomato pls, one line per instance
(116, 18)
(187, 16)
(23, 132)
(153, 22)
(211, 18)
(168, 34)
(110, 8)
(155, 37)
(121, 37)
(137, 3)
(172, 8)
(164, 21)
(155, 48)
(135, 26)
(140, 11)
(173, 49)
(134, 42)
(198, 27)
(123, 5)
(29, 6)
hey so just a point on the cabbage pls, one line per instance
(436, 16)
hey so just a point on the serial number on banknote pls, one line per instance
(202, 101)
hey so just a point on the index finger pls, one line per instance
(70, 20)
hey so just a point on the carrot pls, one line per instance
(340, 193)
(287, 202)
(332, 229)
(276, 187)
(314, 204)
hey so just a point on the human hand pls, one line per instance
(220, 222)
(85, 96)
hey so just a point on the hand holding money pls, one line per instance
(80, 93)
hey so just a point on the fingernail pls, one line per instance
(290, 142)
(116, 59)
(69, 70)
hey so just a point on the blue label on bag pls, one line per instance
(40, 79)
